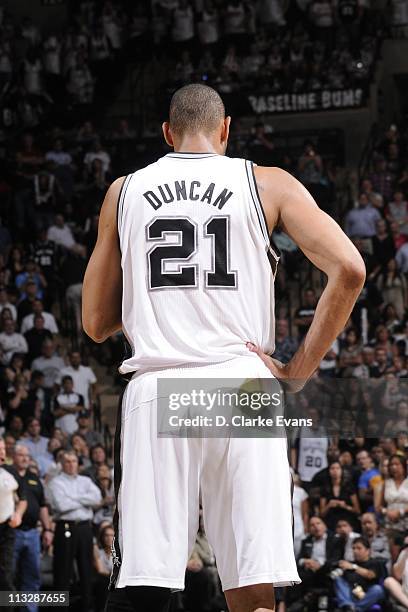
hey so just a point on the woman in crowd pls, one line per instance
(397, 584)
(102, 561)
(392, 503)
(393, 287)
(339, 499)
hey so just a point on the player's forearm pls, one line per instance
(101, 305)
(332, 312)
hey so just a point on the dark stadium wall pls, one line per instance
(395, 66)
(46, 14)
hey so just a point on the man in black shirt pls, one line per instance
(35, 338)
(27, 546)
(358, 588)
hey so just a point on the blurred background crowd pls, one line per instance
(60, 147)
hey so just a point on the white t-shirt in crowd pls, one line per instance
(312, 455)
(49, 323)
(68, 422)
(8, 484)
(299, 496)
(61, 235)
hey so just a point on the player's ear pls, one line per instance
(167, 133)
(225, 130)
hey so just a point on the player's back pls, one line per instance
(198, 270)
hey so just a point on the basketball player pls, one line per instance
(185, 267)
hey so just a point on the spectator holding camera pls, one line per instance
(356, 583)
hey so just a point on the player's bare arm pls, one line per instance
(289, 205)
(102, 287)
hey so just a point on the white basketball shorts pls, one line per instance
(244, 485)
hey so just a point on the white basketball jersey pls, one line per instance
(198, 268)
(312, 456)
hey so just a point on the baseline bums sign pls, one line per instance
(325, 99)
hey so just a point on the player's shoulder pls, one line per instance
(274, 174)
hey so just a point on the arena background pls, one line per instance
(317, 87)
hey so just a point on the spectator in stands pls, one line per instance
(374, 197)
(33, 440)
(399, 421)
(344, 529)
(11, 513)
(339, 499)
(38, 310)
(105, 484)
(261, 149)
(358, 588)
(91, 436)
(98, 458)
(83, 377)
(310, 167)
(5, 303)
(97, 152)
(350, 353)
(27, 546)
(285, 345)
(401, 258)
(369, 478)
(67, 405)
(304, 315)
(379, 545)
(31, 273)
(382, 179)
(102, 561)
(319, 553)
(383, 244)
(11, 342)
(79, 445)
(73, 270)
(61, 234)
(300, 512)
(72, 498)
(393, 287)
(397, 585)
(50, 364)
(397, 211)
(393, 503)
(25, 306)
(35, 337)
(328, 364)
(361, 221)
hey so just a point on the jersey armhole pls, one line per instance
(272, 250)
(121, 200)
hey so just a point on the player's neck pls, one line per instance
(192, 144)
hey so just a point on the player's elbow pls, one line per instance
(95, 328)
(353, 273)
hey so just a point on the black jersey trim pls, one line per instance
(275, 251)
(121, 201)
(117, 478)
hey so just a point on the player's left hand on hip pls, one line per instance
(278, 369)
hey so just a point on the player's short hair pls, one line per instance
(196, 109)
